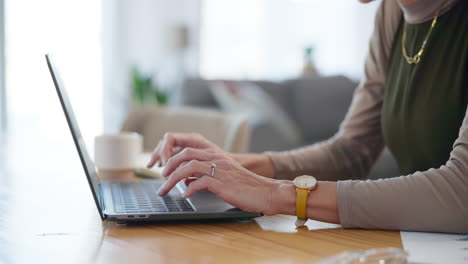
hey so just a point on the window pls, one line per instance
(2, 70)
(71, 32)
(257, 39)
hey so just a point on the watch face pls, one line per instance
(305, 182)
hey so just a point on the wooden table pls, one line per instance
(48, 216)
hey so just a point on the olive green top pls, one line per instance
(424, 104)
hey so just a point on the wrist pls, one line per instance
(260, 164)
(238, 158)
(284, 198)
(321, 203)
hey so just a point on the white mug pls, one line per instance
(118, 151)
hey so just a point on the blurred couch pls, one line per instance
(316, 105)
(230, 132)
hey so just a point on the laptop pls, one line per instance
(137, 200)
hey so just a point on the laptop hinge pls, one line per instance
(101, 201)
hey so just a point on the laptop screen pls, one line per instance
(88, 164)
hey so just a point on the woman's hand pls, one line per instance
(243, 188)
(231, 182)
(173, 143)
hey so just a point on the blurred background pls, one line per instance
(288, 66)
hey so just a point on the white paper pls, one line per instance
(435, 248)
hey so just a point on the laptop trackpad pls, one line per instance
(206, 201)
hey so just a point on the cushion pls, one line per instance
(257, 106)
(320, 105)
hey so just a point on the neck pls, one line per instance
(419, 11)
(407, 2)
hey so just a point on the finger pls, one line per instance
(182, 140)
(189, 180)
(186, 155)
(192, 140)
(176, 150)
(194, 168)
(204, 183)
(180, 166)
(166, 147)
(154, 156)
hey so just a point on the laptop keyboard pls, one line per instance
(141, 197)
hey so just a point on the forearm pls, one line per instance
(322, 202)
(347, 155)
(257, 163)
(429, 201)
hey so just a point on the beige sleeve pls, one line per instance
(435, 200)
(352, 152)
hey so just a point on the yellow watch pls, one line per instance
(304, 184)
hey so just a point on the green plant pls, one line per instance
(145, 91)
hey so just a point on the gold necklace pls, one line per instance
(416, 58)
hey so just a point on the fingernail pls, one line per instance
(161, 189)
(185, 195)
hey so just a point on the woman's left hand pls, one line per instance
(231, 182)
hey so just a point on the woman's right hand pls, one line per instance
(173, 143)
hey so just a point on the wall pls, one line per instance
(264, 39)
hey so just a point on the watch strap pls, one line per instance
(301, 203)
